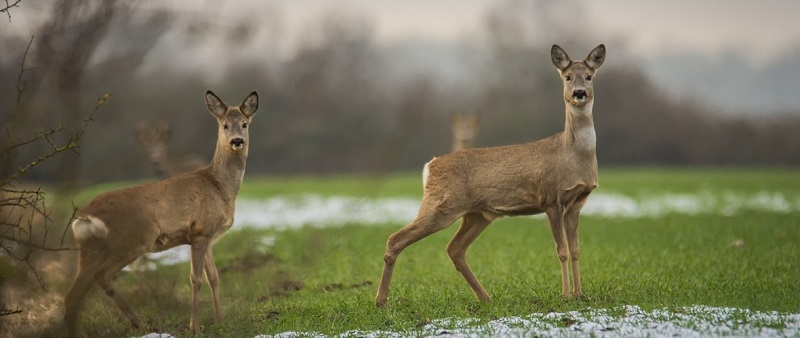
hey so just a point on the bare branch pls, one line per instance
(72, 143)
(39, 136)
(28, 244)
(20, 85)
(71, 217)
(20, 88)
(8, 6)
(8, 312)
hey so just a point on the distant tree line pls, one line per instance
(334, 105)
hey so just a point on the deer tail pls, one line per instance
(85, 227)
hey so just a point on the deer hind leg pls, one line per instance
(556, 217)
(200, 246)
(571, 220)
(213, 281)
(427, 222)
(471, 226)
(104, 276)
(87, 265)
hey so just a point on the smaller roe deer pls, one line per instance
(465, 129)
(194, 208)
(155, 141)
(554, 175)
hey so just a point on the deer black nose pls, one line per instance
(579, 94)
(237, 142)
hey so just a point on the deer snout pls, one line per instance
(579, 94)
(237, 142)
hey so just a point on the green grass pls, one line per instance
(325, 279)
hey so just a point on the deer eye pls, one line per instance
(225, 126)
(568, 78)
(244, 125)
(588, 78)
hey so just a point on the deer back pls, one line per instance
(510, 180)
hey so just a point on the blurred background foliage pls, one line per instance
(339, 100)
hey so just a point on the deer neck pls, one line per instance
(228, 168)
(579, 128)
(461, 143)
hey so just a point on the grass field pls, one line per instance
(320, 279)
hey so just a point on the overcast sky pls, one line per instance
(759, 30)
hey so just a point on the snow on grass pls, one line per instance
(287, 212)
(284, 212)
(626, 321)
(292, 212)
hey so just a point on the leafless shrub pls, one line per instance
(26, 222)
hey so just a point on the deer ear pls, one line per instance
(560, 58)
(250, 104)
(596, 57)
(215, 105)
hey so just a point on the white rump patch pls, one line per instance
(89, 226)
(426, 172)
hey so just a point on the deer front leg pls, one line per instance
(471, 226)
(199, 250)
(556, 217)
(574, 253)
(571, 220)
(213, 281)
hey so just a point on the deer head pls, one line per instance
(577, 75)
(233, 121)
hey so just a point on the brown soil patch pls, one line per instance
(249, 262)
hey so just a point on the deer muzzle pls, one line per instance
(237, 143)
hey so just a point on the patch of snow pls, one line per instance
(158, 335)
(284, 212)
(292, 212)
(626, 321)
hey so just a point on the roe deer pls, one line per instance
(155, 141)
(465, 128)
(554, 175)
(194, 208)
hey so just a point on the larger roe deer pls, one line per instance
(194, 208)
(554, 175)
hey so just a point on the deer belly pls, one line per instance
(169, 240)
(513, 209)
(519, 211)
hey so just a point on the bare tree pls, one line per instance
(80, 43)
(68, 41)
(26, 225)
